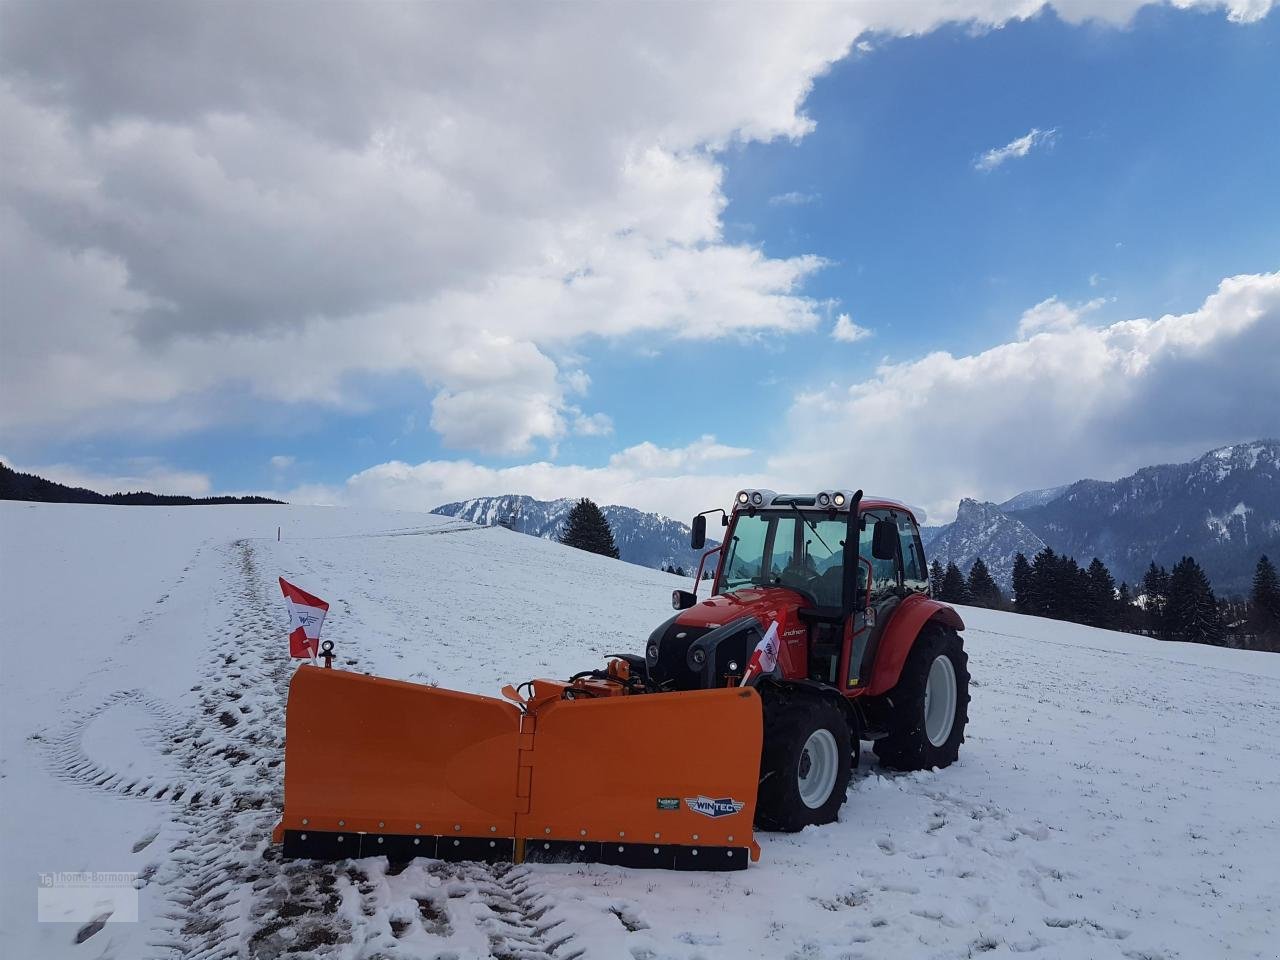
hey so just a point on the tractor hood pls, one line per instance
(763, 603)
(709, 644)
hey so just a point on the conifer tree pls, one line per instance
(1043, 587)
(1072, 600)
(587, 529)
(1022, 583)
(1264, 604)
(954, 589)
(1192, 609)
(1102, 595)
(1126, 611)
(1155, 592)
(983, 591)
(936, 576)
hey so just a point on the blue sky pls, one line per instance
(1151, 179)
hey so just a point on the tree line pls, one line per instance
(35, 489)
(1177, 604)
(680, 571)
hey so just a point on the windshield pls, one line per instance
(786, 550)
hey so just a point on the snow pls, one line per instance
(1115, 796)
(1237, 516)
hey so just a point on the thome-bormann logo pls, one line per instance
(724, 807)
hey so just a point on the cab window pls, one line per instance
(915, 575)
(884, 573)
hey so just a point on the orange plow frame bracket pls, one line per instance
(376, 766)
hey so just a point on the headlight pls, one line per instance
(652, 653)
(742, 496)
(756, 498)
(838, 499)
(699, 657)
(823, 499)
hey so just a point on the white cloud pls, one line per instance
(793, 198)
(201, 225)
(578, 381)
(846, 331)
(672, 481)
(282, 462)
(648, 458)
(592, 425)
(1015, 148)
(1069, 401)
(1052, 315)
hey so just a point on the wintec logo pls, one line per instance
(724, 807)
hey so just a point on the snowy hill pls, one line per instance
(648, 539)
(1115, 796)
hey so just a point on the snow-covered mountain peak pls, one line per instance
(982, 529)
(648, 539)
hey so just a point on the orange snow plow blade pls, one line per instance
(376, 766)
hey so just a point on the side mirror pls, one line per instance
(884, 540)
(682, 599)
(698, 539)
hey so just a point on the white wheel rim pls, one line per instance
(819, 761)
(940, 701)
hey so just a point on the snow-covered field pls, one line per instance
(1117, 797)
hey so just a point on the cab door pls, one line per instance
(869, 617)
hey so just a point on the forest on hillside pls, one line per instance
(28, 486)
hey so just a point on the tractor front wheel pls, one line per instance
(929, 707)
(805, 763)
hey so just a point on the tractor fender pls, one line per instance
(900, 633)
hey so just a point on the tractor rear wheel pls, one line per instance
(930, 705)
(805, 763)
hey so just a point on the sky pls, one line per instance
(397, 255)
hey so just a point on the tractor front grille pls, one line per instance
(671, 669)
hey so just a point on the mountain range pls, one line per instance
(1223, 508)
(648, 539)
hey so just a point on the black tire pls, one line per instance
(907, 746)
(790, 719)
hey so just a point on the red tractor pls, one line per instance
(747, 708)
(864, 652)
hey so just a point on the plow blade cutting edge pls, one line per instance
(376, 766)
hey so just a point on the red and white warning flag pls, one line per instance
(306, 617)
(765, 657)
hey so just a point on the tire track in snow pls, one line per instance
(225, 891)
(230, 893)
(522, 927)
(233, 747)
(69, 759)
